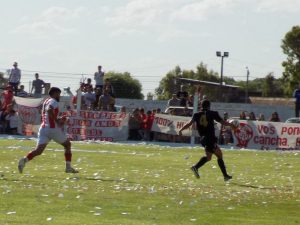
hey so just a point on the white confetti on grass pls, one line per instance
(11, 212)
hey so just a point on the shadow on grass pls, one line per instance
(252, 186)
(109, 180)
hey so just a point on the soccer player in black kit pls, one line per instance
(204, 120)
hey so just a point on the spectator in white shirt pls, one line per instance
(89, 98)
(99, 78)
(15, 77)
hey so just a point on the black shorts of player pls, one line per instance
(209, 143)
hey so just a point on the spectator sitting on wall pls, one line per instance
(107, 85)
(274, 117)
(98, 93)
(21, 92)
(88, 84)
(106, 101)
(38, 86)
(243, 115)
(252, 116)
(190, 101)
(174, 101)
(89, 98)
(261, 117)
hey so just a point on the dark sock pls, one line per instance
(222, 167)
(201, 162)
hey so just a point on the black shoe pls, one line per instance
(195, 171)
(227, 178)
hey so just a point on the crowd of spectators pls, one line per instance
(251, 116)
(140, 124)
(8, 114)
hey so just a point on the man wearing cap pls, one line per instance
(51, 129)
(14, 77)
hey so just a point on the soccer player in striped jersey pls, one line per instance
(51, 129)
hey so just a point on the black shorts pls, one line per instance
(209, 143)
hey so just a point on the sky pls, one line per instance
(65, 40)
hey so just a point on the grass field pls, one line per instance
(144, 184)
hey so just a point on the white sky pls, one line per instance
(147, 38)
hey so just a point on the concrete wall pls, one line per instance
(234, 109)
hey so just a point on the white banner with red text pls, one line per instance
(250, 134)
(97, 125)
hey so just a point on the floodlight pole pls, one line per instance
(247, 94)
(219, 54)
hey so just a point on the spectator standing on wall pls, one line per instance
(99, 78)
(14, 77)
(38, 86)
(296, 95)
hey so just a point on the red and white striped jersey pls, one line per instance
(46, 120)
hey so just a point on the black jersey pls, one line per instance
(205, 122)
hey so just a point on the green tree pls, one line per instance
(268, 86)
(171, 84)
(124, 85)
(291, 47)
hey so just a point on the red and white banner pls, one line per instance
(29, 110)
(111, 126)
(97, 125)
(267, 135)
(250, 134)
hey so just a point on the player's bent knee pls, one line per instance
(67, 144)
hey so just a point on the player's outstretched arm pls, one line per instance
(185, 126)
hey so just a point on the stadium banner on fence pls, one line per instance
(250, 134)
(97, 125)
(267, 135)
(29, 109)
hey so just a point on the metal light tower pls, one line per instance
(219, 54)
(248, 73)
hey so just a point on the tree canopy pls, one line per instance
(124, 85)
(291, 47)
